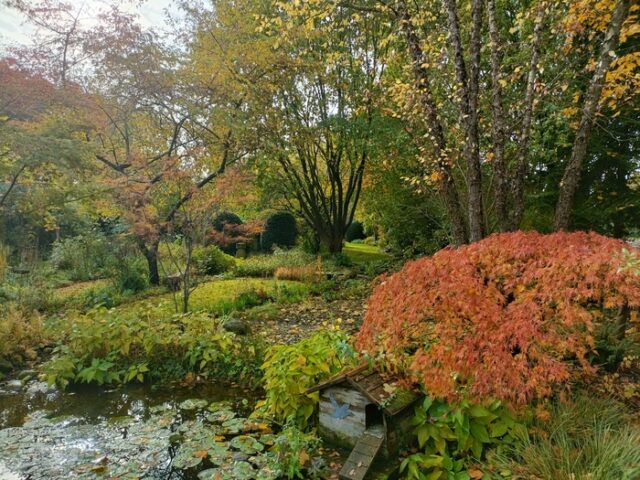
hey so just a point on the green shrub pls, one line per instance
(452, 436)
(289, 370)
(355, 231)
(280, 229)
(586, 439)
(107, 295)
(342, 260)
(210, 260)
(83, 257)
(129, 275)
(112, 346)
(297, 454)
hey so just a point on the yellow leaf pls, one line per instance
(303, 457)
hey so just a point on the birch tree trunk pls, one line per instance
(498, 122)
(447, 184)
(571, 178)
(522, 155)
(468, 100)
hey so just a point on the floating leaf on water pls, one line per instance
(218, 406)
(243, 471)
(193, 404)
(220, 416)
(234, 426)
(210, 474)
(160, 408)
(268, 439)
(246, 444)
(186, 458)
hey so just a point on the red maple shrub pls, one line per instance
(509, 317)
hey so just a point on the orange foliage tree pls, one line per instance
(510, 317)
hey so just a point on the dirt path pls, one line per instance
(291, 323)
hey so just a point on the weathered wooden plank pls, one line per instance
(371, 382)
(363, 454)
(366, 450)
(368, 440)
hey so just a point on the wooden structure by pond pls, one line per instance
(363, 410)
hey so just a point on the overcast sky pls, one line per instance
(14, 30)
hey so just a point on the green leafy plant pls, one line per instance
(210, 260)
(451, 435)
(289, 370)
(296, 452)
(112, 346)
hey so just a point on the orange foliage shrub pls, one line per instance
(509, 317)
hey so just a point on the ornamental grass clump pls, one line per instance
(511, 317)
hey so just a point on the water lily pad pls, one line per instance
(193, 404)
(220, 416)
(163, 407)
(188, 458)
(217, 406)
(246, 444)
(243, 471)
(220, 456)
(234, 426)
(267, 440)
(215, 474)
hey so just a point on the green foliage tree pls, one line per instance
(355, 232)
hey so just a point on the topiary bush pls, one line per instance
(510, 317)
(280, 229)
(225, 218)
(355, 232)
(210, 260)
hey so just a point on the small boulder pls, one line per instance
(237, 326)
(14, 385)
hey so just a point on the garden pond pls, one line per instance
(166, 433)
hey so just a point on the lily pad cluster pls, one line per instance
(221, 445)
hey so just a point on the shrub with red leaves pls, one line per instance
(510, 317)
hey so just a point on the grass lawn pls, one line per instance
(224, 296)
(361, 253)
(77, 288)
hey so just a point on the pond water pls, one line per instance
(130, 432)
(137, 431)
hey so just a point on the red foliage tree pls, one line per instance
(509, 317)
(235, 233)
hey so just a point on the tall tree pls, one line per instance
(571, 178)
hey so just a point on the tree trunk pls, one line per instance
(331, 243)
(446, 183)
(151, 254)
(498, 123)
(571, 178)
(468, 101)
(523, 147)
